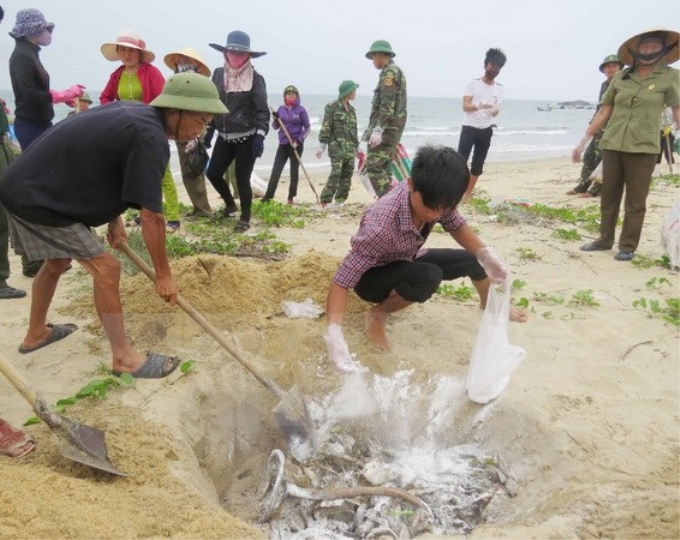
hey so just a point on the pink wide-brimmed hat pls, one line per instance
(131, 40)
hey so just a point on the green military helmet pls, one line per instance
(609, 60)
(381, 46)
(190, 92)
(346, 88)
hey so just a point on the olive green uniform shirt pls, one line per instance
(635, 122)
(388, 109)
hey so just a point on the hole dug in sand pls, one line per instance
(396, 457)
(425, 457)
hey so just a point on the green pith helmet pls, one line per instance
(610, 60)
(380, 46)
(346, 88)
(190, 92)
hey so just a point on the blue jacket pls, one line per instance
(296, 121)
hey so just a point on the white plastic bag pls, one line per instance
(670, 237)
(493, 358)
(296, 310)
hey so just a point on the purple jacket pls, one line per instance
(296, 121)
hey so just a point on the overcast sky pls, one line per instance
(554, 47)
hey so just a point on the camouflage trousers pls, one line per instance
(340, 180)
(378, 167)
(591, 158)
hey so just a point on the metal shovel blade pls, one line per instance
(78, 442)
(296, 425)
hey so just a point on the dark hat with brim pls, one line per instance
(667, 37)
(30, 23)
(237, 41)
(380, 46)
(610, 59)
(346, 88)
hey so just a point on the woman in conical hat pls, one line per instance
(632, 107)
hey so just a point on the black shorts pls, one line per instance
(418, 280)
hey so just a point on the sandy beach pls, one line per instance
(587, 429)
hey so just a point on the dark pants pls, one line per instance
(242, 154)
(283, 153)
(27, 132)
(29, 267)
(632, 172)
(417, 281)
(481, 140)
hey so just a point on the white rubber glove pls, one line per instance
(191, 145)
(580, 147)
(338, 352)
(495, 268)
(376, 137)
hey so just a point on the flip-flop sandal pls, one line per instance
(156, 366)
(59, 331)
(242, 226)
(14, 443)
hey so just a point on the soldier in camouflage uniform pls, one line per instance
(388, 116)
(340, 133)
(592, 156)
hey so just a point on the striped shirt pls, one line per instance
(387, 235)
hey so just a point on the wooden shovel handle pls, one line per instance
(203, 323)
(18, 381)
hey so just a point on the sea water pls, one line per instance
(522, 131)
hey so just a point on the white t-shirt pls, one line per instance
(486, 93)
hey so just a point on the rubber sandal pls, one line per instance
(156, 366)
(594, 246)
(171, 227)
(7, 293)
(14, 443)
(624, 256)
(59, 331)
(242, 226)
(229, 211)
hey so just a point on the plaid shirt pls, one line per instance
(387, 235)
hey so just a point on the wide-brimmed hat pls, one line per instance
(610, 59)
(237, 41)
(30, 23)
(131, 40)
(669, 38)
(190, 92)
(172, 59)
(85, 97)
(380, 46)
(346, 88)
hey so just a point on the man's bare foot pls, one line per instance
(585, 195)
(572, 192)
(129, 364)
(517, 314)
(375, 330)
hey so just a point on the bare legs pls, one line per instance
(105, 270)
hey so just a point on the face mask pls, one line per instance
(650, 58)
(290, 101)
(44, 39)
(236, 60)
(184, 67)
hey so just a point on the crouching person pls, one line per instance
(387, 265)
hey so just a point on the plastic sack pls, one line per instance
(258, 185)
(670, 237)
(197, 159)
(296, 310)
(493, 358)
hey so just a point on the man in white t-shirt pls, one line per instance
(482, 101)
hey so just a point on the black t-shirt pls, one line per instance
(91, 167)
